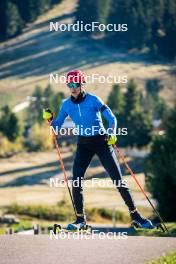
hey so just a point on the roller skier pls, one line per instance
(86, 109)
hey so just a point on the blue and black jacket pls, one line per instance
(85, 112)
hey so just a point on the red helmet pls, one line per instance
(75, 76)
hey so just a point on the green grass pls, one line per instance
(168, 259)
(62, 211)
(24, 225)
(2, 231)
(157, 232)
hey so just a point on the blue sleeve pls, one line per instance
(110, 117)
(107, 114)
(58, 122)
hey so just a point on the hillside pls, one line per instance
(28, 59)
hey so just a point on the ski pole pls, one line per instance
(136, 180)
(63, 168)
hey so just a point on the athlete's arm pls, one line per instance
(107, 114)
(58, 122)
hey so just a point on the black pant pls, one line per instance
(87, 147)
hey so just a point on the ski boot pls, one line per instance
(78, 225)
(140, 222)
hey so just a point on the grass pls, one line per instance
(45, 216)
(2, 230)
(170, 258)
(61, 212)
(23, 225)
(157, 232)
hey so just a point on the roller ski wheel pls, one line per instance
(57, 228)
(80, 229)
(86, 228)
(159, 226)
(83, 229)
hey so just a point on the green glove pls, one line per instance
(112, 139)
(47, 114)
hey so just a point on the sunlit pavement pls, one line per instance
(25, 249)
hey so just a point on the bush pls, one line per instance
(50, 213)
(39, 138)
(62, 210)
(8, 148)
(105, 213)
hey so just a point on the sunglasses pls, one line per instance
(73, 85)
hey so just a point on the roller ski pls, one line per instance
(140, 222)
(77, 226)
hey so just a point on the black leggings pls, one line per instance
(87, 147)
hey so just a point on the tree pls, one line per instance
(161, 169)
(103, 7)
(167, 41)
(13, 22)
(137, 122)
(139, 128)
(9, 124)
(57, 101)
(132, 98)
(36, 107)
(153, 86)
(41, 99)
(116, 100)
(48, 95)
(153, 101)
(86, 11)
(52, 100)
(14, 14)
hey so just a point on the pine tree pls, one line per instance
(13, 20)
(103, 9)
(48, 95)
(139, 125)
(9, 124)
(116, 100)
(132, 98)
(153, 86)
(2, 20)
(86, 11)
(137, 122)
(153, 101)
(36, 107)
(168, 42)
(57, 101)
(161, 170)
(157, 8)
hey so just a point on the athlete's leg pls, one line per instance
(109, 161)
(82, 160)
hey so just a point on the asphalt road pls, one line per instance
(30, 249)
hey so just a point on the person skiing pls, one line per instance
(85, 110)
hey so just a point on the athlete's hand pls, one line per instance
(112, 139)
(48, 114)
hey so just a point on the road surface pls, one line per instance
(41, 249)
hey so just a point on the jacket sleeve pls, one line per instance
(58, 122)
(107, 114)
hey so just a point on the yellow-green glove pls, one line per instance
(112, 139)
(47, 114)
